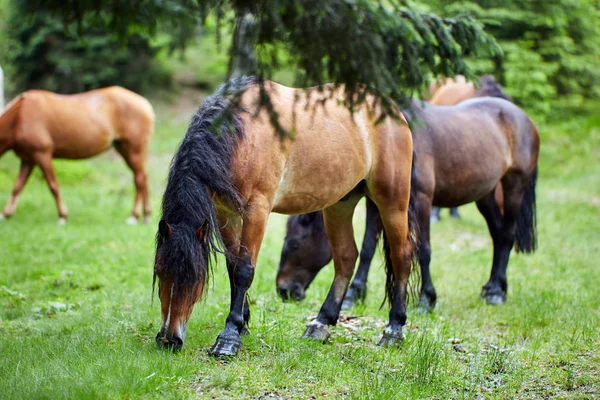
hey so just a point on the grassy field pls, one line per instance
(77, 320)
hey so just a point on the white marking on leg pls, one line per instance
(62, 221)
(131, 220)
(168, 321)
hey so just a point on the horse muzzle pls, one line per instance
(294, 292)
(170, 340)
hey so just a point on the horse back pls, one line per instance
(463, 151)
(80, 125)
(331, 153)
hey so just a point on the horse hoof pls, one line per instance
(227, 345)
(495, 299)
(316, 331)
(391, 336)
(348, 303)
(62, 221)
(131, 220)
(425, 305)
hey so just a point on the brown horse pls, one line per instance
(222, 188)
(462, 153)
(39, 126)
(452, 91)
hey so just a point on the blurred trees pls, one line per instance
(551, 48)
(46, 51)
(378, 48)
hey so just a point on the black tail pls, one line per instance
(526, 240)
(413, 237)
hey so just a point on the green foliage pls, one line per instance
(44, 52)
(373, 48)
(552, 48)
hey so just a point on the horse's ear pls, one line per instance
(164, 229)
(202, 232)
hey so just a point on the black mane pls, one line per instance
(201, 166)
(489, 87)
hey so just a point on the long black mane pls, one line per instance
(201, 166)
(489, 87)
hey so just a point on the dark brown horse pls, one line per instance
(223, 186)
(462, 153)
(40, 125)
(452, 91)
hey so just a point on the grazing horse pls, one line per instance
(452, 91)
(222, 187)
(39, 126)
(462, 153)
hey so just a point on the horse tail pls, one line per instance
(8, 121)
(526, 240)
(413, 244)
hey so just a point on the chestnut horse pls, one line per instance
(39, 126)
(462, 153)
(222, 187)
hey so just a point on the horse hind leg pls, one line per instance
(358, 288)
(24, 174)
(398, 253)
(502, 227)
(136, 159)
(338, 225)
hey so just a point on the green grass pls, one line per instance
(77, 321)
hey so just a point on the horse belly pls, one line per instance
(82, 141)
(309, 184)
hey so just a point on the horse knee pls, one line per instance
(243, 274)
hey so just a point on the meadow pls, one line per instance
(77, 319)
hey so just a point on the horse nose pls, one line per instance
(294, 293)
(171, 342)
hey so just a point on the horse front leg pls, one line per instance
(241, 273)
(338, 225)
(24, 174)
(45, 163)
(428, 296)
(358, 288)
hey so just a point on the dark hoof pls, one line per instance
(171, 343)
(493, 297)
(454, 213)
(227, 345)
(391, 337)
(316, 331)
(244, 331)
(348, 303)
(425, 304)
